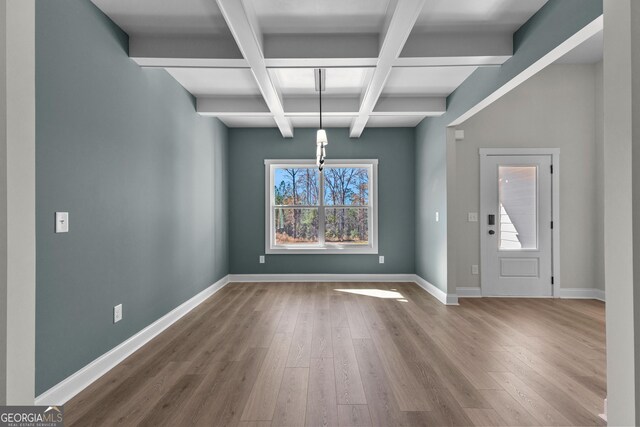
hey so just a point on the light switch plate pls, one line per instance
(117, 313)
(437, 216)
(381, 259)
(261, 259)
(473, 217)
(475, 269)
(62, 222)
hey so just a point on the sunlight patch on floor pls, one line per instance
(376, 293)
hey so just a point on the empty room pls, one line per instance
(320, 213)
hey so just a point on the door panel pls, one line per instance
(515, 198)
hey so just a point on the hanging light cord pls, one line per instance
(320, 92)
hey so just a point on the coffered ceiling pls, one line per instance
(388, 62)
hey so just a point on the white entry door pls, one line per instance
(516, 227)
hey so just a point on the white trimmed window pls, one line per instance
(321, 212)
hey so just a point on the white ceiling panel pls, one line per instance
(249, 122)
(327, 122)
(432, 81)
(326, 16)
(476, 16)
(394, 121)
(165, 17)
(216, 81)
(338, 81)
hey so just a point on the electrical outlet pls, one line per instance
(62, 222)
(472, 217)
(117, 313)
(381, 259)
(261, 259)
(475, 269)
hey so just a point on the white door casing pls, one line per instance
(517, 251)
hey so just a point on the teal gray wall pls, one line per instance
(554, 23)
(248, 148)
(143, 177)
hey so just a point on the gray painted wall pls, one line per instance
(554, 109)
(3, 204)
(248, 148)
(143, 177)
(550, 26)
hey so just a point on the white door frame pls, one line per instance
(555, 207)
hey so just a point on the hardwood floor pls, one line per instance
(359, 354)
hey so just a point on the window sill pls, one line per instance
(336, 250)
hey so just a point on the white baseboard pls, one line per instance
(566, 293)
(439, 294)
(62, 392)
(322, 277)
(468, 292)
(582, 293)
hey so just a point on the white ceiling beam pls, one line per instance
(222, 106)
(410, 105)
(451, 61)
(249, 43)
(334, 106)
(182, 51)
(451, 49)
(322, 51)
(397, 29)
(321, 62)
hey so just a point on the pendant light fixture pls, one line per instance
(321, 135)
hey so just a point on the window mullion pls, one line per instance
(321, 221)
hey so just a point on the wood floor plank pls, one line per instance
(167, 410)
(508, 408)
(223, 394)
(530, 400)
(417, 346)
(560, 398)
(134, 410)
(383, 407)
(338, 311)
(321, 341)
(485, 417)
(270, 354)
(588, 397)
(409, 393)
(354, 416)
(262, 401)
(300, 351)
(289, 316)
(349, 390)
(292, 398)
(357, 325)
(322, 408)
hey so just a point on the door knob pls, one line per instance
(492, 232)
